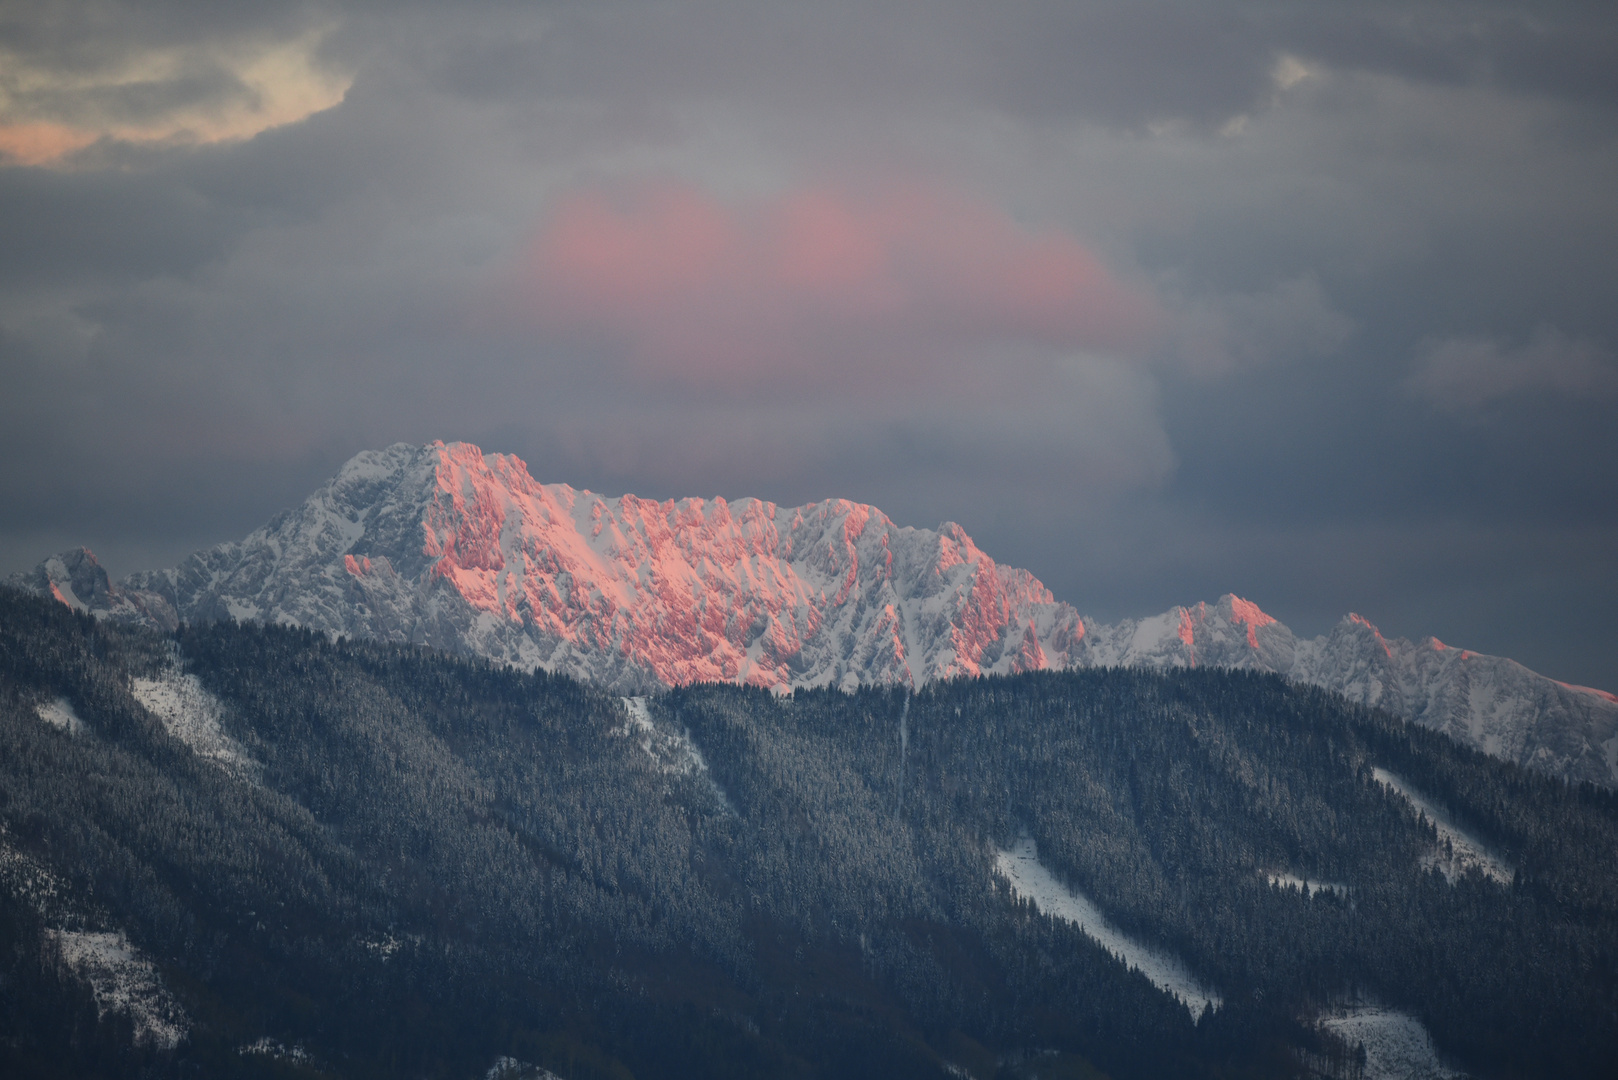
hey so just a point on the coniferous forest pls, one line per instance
(418, 865)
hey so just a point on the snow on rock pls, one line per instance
(447, 546)
(191, 714)
(59, 713)
(123, 981)
(1486, 702)
(1397, 1046)
(1028, 877)
(1458, 850)
(76, 579)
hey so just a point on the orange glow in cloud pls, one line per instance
(693, 288)
(35, 144)
(46, 114)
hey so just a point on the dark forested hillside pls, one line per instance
(409, 864)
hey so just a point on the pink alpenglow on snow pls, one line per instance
(706, 590)
(447, 546)
(643, 593)
(1248, 613)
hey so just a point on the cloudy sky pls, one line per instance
(1312, 302)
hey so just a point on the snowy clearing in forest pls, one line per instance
(1028, 877)
(1465, 849)
(1397, 1046)
(509, 1068)
(674, 753)
(1283, 880)
(192, 715)
(123, 981)
(60, 714)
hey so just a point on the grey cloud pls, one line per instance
(192, 337)
(1292, 320)
(1458, 373)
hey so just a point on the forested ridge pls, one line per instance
(434, 862)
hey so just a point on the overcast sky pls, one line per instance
(1312, 302)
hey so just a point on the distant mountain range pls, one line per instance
(447, 546)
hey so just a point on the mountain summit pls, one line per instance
(447, 546)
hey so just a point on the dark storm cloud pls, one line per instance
(1374, 242)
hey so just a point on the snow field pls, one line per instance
(1029, 878)
(192, 715)
(674, 753)
(123, 981)
(59, 713)
(1397, 1046)
(1466, 850)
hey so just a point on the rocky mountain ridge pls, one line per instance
(447, 546)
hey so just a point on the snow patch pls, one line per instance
(192, 715)
(1028, 877)
(382, 946)
(1464, 849)
(1283, 880)
(123, 981)
(277, 1050)
(1397, 1046)
(60, 714)
(509, 1068)
(673, 752)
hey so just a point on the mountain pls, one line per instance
(450, 547)
(76, 579)
(1487, 702)
(447, 546)
(247, 850)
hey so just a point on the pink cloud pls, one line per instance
(817, 281)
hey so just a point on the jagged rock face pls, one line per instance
(447, 546)
(1487, 702)
(79, 581)
(1231, 633)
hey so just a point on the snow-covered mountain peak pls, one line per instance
(449, 546)
(78, 580)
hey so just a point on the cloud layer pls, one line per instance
(1159, 299)
(817, 286)
(56, 99)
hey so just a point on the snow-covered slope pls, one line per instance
(1487, 702)
(448, 546)
(1029, 878)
